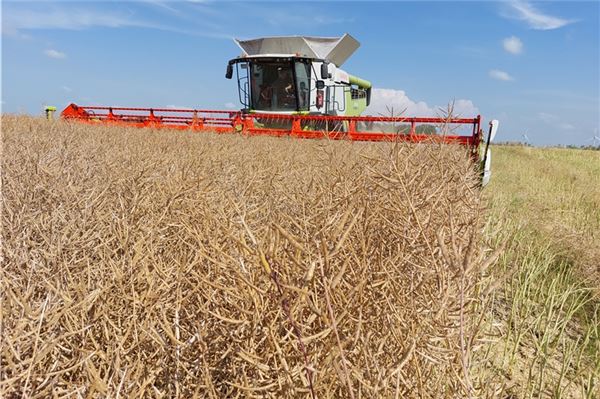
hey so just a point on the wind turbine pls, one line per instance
(595, 138)
(525, 137)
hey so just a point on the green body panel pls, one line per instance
(356, 106)
(253, 111)
(361, 83)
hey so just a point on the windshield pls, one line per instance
(274, 89)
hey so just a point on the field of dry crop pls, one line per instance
(544, 317)
(151, 264)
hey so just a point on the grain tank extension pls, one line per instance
(299, 75)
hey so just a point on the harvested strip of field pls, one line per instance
(556, 193)
(544, 319)
(157, 263)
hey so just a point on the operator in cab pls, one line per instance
(283, 88)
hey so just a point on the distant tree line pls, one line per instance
(567, 146)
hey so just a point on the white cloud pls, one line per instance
(546, 117)
(465, 108)
(513, 45)
(55, 54)
(16, 19)
(524, 11)
(554, 120)
(173, 106)
(566, 126)
(67, 89)
(229, 105)
(385, 100)
(500, 75)
(68, 18)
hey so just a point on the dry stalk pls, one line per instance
(138, 263)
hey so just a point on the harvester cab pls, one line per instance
(298, 75)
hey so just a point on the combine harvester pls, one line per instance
(293, 86)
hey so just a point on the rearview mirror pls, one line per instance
(229, 72)
(325, 70)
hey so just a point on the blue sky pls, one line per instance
(532, 65)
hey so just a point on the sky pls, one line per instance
(535, 66)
